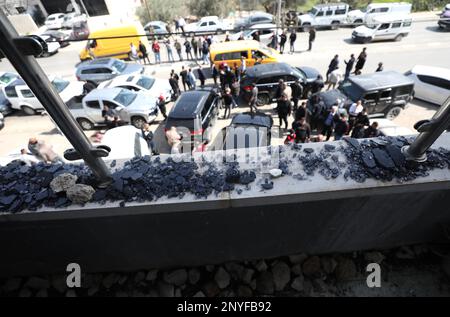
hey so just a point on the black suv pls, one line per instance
(383, 93)
(196, 111)
(267, 76)
(248, 130)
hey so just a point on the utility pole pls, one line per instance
(148, 10)
(84, 8)
(279, 14)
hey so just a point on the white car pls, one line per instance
(152, 86)
(265, 33)
(55, 21)
(376, 9)
(384, 27)
(431, 84)
(325, 15)
(72, 18)
(22, 98)
(210, 24)
(126, 143)
(389, 128)
(6, 78)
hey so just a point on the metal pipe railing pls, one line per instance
(20, 51)
(430, 131)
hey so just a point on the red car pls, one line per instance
(80, 31)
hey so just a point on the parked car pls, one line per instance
(444, 19)
(152, 86)
(2, 121)
(80, 31)
(265, 33)
(102, 69)
(383, 27)
(72, 18)
(248, 130)
(5, 105)
(330, 15)
(431, 84)
(157, 28)
(49, 47)
(376, 9)
(389, 128)
(22, 98)
(131, 107)
(55, 21)
(195, 111)
(267, 76)
(6, 78)
(125, 142)
(57, 36)
(206, 25)
(256, 18)
(382, 93)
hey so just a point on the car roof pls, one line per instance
(97, 62)
(432, 71)
(271, 69)
(106, 93)
(381, 80)
(387, 4)
(189, 104)
(124, 79)
(385, 18)
(326, 5)
(257, 119)
(263, 26)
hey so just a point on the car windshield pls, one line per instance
(247, 33)
(51, 19)
(125, 97)
(60, 84)
(313, 11)
(146, 82)
(119, 66)
(298, 73)
(350, 90)
(6, 78)
(372, 26)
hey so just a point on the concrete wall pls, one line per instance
(23, 23)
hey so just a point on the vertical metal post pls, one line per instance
(430, 131)
(34, 76)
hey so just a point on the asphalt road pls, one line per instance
(425, 45)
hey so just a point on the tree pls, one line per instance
(160, 10)
(203, 8)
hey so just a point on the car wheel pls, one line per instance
(399, 37)
(28, 110)
(263, 99)
(85, 124)
(138, 122)
(393, 112)
(219, 31)
(335, 25)
(306, 27)
(358, 22)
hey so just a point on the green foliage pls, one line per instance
(202, 8)
(161, 10)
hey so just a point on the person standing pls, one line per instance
(201, 77)
(215, 74)
(174, 140)
(300, 112)
(178, 49)
(334, 78)
(362, 121)
(184, 78)
(228, 102)
(188, 48)
(148, 136)
(317, 85)
(380, 68)
(192, 80)
(243, 66)
(292, 39)
(256, 36)
(235, 90)
(354, 110)
(200, 47)
(253, 102)
(284, 110)
(194, 47)
(302, 131)
(173, 81)
(297, 93)
(274, 40)
(334, 64)
(157, 50)
(361, 61)
(181, 24)
(283, 40)
(161, 104)
(372, 131)
(312, 38)
(205, 52)
(331, 118)
(341, 128)
(134, 53)
(349, 66)
(169, 51)
(144, 53)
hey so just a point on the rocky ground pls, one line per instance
(407, 271)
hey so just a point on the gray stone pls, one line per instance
(177, 277)
(329, 264)
(235, 270)
(42, 293)
(37, 283)
(59, 283)
(420, 250)
(71, 293)
(121, 294)
(199, 294)
(137, 293)
(346, 270)
(281, 275)
(151, 275)
(211, 289)
(446, 266)
(194, 276)
(110, 280)
(405, 253)
(222, 278)
(63, 182)
(319, 285)
(261, 266)
(312, 266)
(25, 292)
(276, 173)
(139, 277)
(92, 291)
(80, 194)
(178, 292)
(153, 293)
(298, 258)
(298, 283)
(210, 268)
(12, 285)
(247, 276)
(166, 290)
(244, 291)
(253, 284)
(297, 269)
(123, 279)
(374, 257)
(265, 284)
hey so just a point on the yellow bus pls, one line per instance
(230, 53)
(113, 42)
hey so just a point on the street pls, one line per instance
(425, 45)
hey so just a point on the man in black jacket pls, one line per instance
(283, 40)
(297, 93)
(201, 77)
(184, 78)
(349, 66)
(312, 38)
(284, 109)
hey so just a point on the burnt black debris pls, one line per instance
(267, 185)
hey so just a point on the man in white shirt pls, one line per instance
(356, 108)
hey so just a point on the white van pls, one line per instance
(325, 15)
(382, 28)
(376, 9)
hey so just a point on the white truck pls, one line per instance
(356, 17)
(330, 15)
(206, 25)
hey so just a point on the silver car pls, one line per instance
(102, 69)
(131, 107)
